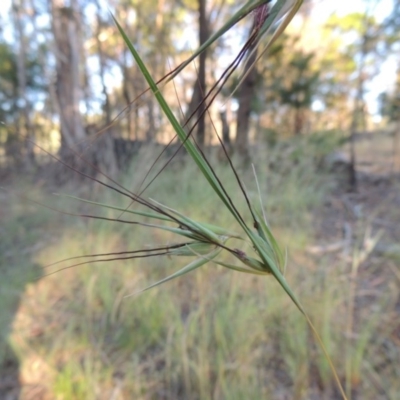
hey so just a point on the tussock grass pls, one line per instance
(211, 334)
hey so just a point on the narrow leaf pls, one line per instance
(190, 267)
(142, 213)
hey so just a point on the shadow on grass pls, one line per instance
(18, 238)
(12, 288)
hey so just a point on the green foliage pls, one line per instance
(298, 87)
(8, 81)
(389, 103)
(325, 142)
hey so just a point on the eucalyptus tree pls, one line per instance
(366, 52)
(21, 61)
(8, 100)
(297, 88)
(391, 101)
(65, 26)
(21, 85)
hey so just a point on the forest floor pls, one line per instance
(213, 334)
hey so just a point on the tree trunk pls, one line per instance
(226, 140)
(298, 121)
(352, 167)
(358, 113)
(199, 86)
(396, 148)
(125, 93)
(396, 118)
(203, 34)
(151, 126)
(245, 97)
(65, 25)
(106, 150)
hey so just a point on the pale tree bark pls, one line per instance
(358, 119)
(396, 148)
(151, 126)
(105, 147)
(396, 119)
(65, 25)
(132, 83)
(298, 121)
(102, 64)
(131, 126)
(226, 139)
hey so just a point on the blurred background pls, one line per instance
(318, 116)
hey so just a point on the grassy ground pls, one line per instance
(212, 334)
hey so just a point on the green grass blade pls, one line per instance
(276, 12)
(265, 232)
(188, 268)
(197, 157)
(192, 249)
(240, 269)
(194, 225)
(263, 241)
(222, 231)
(242, 12)
(191, 149)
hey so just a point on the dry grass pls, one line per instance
(213, 334)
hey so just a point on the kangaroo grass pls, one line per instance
(271, 258)
(264, 19)
(241, 13)
(206, 241)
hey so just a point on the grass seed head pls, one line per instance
(260, 14)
